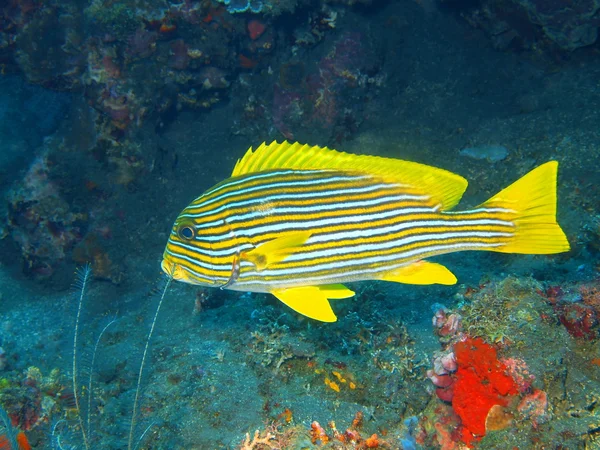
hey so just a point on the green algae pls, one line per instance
(119, 17)
(504, 311)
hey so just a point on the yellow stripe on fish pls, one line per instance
(297, 221)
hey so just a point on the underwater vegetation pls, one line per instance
(76, 429)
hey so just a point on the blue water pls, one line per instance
(112, 122)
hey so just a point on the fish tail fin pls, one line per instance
(532, 202)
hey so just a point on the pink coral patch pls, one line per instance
(255, 29)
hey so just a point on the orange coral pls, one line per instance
(286, 415)
(358, 419)
(332, 385)
(372, 442)
(482, 381)
(317, 433)
(22, 442)
(339, 376)
(167, 28)
(336, 434)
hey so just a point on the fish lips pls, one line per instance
(179, 273)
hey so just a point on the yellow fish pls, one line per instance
(297, 221)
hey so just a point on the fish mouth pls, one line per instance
(172, 270)
(177, 272)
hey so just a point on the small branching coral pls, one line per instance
(276, 436)
(257, 441)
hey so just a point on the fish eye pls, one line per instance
(186, 232)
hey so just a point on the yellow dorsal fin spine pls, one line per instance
(303, 154)
(445, 188)
(532, 200)
(286, 153)
(257, 161)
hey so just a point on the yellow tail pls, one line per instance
(533, 200)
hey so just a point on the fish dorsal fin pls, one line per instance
(446, 188)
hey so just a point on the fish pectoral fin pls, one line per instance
(313, 301)
(421, 272)
(276, 250)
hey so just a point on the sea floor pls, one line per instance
(215, 371)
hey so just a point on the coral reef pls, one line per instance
(279, 437)
(492, 310)
(138, 71)
(530, 23)
(334, 98)
(31, 401)
(111, 52)
(42, 222)
(482, 388)
(578, 308)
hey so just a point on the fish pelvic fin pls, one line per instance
(532, 201)
(421, 272)
(313, 301)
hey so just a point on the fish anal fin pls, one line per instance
(335, 291)
(313, 301)
(421, 272)
(276, 250)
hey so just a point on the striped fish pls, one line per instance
(297, 221)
